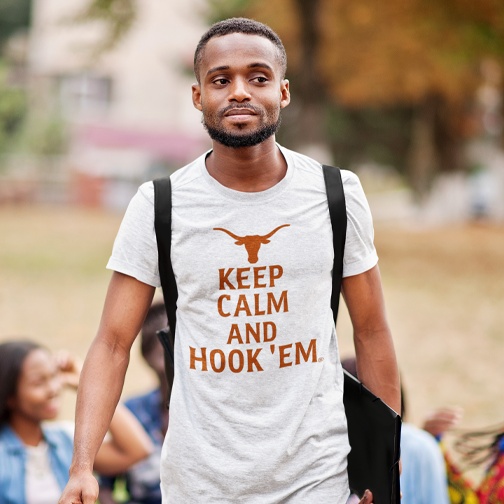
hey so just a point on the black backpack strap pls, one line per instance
(337, 212)
(162, 226)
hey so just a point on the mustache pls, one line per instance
(255, 109)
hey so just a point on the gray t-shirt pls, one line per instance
(256, 413)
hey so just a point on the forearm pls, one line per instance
(99, 390)
(377, 365)
(374, 349)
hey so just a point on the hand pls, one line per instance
(439, 421)
(69, 367)
(81, 489)
(367, 499)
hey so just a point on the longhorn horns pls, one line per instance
(269, 235)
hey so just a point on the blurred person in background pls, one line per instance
(143, 479)
(35, 456)
(478, 449)
(423, 476)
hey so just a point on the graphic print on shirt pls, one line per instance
(252, 304)
(252, 242)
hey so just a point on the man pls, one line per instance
(256, 412)
(142, 480)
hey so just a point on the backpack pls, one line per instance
(374, 459)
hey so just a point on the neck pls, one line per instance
(247, 169)
(29, 431)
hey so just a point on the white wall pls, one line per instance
(149, 89)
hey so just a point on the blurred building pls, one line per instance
(127, 112)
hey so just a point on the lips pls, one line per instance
(240, 112)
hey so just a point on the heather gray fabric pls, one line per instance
(256, 412)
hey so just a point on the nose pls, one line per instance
(238, 91)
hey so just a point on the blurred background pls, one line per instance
(95, 99)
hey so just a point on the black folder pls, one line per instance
(374, 432)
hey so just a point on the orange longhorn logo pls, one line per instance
(252, 243)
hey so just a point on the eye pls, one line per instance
(260, 80)
(220, 82)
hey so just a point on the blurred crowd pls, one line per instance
(36, 450)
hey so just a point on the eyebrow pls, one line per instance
(217, 69)
(227, 67)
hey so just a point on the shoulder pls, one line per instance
(59, 431)
(302, 162)
(188, 173)
(418, 441)
(351, 182)
(179, 178)
(8, 439)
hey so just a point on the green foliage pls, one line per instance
(49, 138)
(14, 14)
(217, 10)
(117, 15)
(13, 105)
(360, 135)
(41, 135)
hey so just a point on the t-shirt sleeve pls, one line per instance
(135, 248)
(360, 253)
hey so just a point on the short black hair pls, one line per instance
(12, 357)
(155, 320)
(239, 25)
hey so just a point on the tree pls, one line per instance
(13, 105)
(116, 15)
(416, 58)
(14, 14)
(422, 55)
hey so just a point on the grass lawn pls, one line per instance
(444, 290)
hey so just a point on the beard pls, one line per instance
(268, 128)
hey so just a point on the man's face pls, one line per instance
(241, 89)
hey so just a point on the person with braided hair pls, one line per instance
(477, 448)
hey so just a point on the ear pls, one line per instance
(284, 93)
(196, 96)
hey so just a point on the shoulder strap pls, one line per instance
(337, 212)
(162, 226)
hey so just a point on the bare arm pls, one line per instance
(102, 379)
(374, 349)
